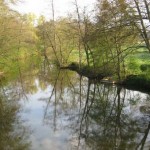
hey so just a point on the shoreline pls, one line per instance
(134, 82)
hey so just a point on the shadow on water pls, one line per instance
(67, 111)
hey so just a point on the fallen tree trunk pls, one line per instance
(85, 71)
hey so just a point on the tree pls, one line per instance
(16, 37)
(113, 36)
(143, 15)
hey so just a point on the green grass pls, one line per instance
(136, 61)
(138, 70)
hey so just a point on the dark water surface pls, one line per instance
(58, 110)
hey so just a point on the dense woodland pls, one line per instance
(112, 40)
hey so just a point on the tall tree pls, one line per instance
(114, 33)
(143, 16)
(16, 37)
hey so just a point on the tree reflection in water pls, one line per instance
(100, 116)
(13, 134)
(110, 125)
(84, 114)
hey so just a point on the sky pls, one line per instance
(43, 7)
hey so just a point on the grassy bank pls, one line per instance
(137, 71)
(138, 63)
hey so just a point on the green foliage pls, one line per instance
(138, 63)
(13, 134)
(17, 40)
(145, 67)
(138, 82)
(104, 44)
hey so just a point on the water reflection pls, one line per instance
(99, 116)
(13, 134)
(110, 123)
(67, 111)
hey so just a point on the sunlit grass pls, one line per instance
(134, 63)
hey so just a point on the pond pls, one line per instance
(47, 108)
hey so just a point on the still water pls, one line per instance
(59, 110)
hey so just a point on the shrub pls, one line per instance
(137, 82)
(145, 67)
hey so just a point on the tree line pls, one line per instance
(101, 39)
(117, 28)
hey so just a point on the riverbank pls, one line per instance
(137, 82)
(86, 71)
